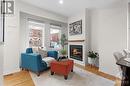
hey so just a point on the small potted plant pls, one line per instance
(92, 56)
(63, 41)
(63, 52)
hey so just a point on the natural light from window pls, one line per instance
(55, 35)
(36, 34)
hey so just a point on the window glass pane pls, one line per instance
(55, 35)
(36, 34)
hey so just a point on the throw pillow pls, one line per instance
(35, 49)
(43, 53)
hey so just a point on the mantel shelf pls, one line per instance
(76, 40)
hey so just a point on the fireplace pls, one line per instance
(76, 52)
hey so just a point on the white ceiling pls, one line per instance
(69, 7)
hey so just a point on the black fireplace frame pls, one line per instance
(75, 57)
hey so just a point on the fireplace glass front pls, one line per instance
(76, 52)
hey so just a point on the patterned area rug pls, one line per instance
(79, 77)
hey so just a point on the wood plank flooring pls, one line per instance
(23, 78)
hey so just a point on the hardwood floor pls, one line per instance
(96, 71)
(23, 78)
(110, 77)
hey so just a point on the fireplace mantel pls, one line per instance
(76, 40)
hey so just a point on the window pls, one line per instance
(55, 35)
(36, 34)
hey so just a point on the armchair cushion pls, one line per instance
(29, 50)
(53, 54)
(42, 52)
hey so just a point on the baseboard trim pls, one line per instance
(11, 72)
(80, 66)
(111, 77)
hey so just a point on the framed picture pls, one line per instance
(75, 28)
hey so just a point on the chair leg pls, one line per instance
(72, 70)
(65, 77)
(38, 74)
(52, 73)
(21, 69)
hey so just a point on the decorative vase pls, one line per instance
(91, 61)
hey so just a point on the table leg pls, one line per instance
(125, 77)
(52, 73)
(71, 70)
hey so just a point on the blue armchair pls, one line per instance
(33, 61)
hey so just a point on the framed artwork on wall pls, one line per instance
(75, 28)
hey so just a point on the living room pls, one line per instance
(102, 28)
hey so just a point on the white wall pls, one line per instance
(84, 36)
(11, 45)
(27, 8)
(1, 51)
(1, 65)
(74, 18)
(128, 38)
(12, 34)
(108, 34)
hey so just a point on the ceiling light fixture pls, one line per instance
(61, 1)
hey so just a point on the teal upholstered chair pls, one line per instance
(33, 61)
